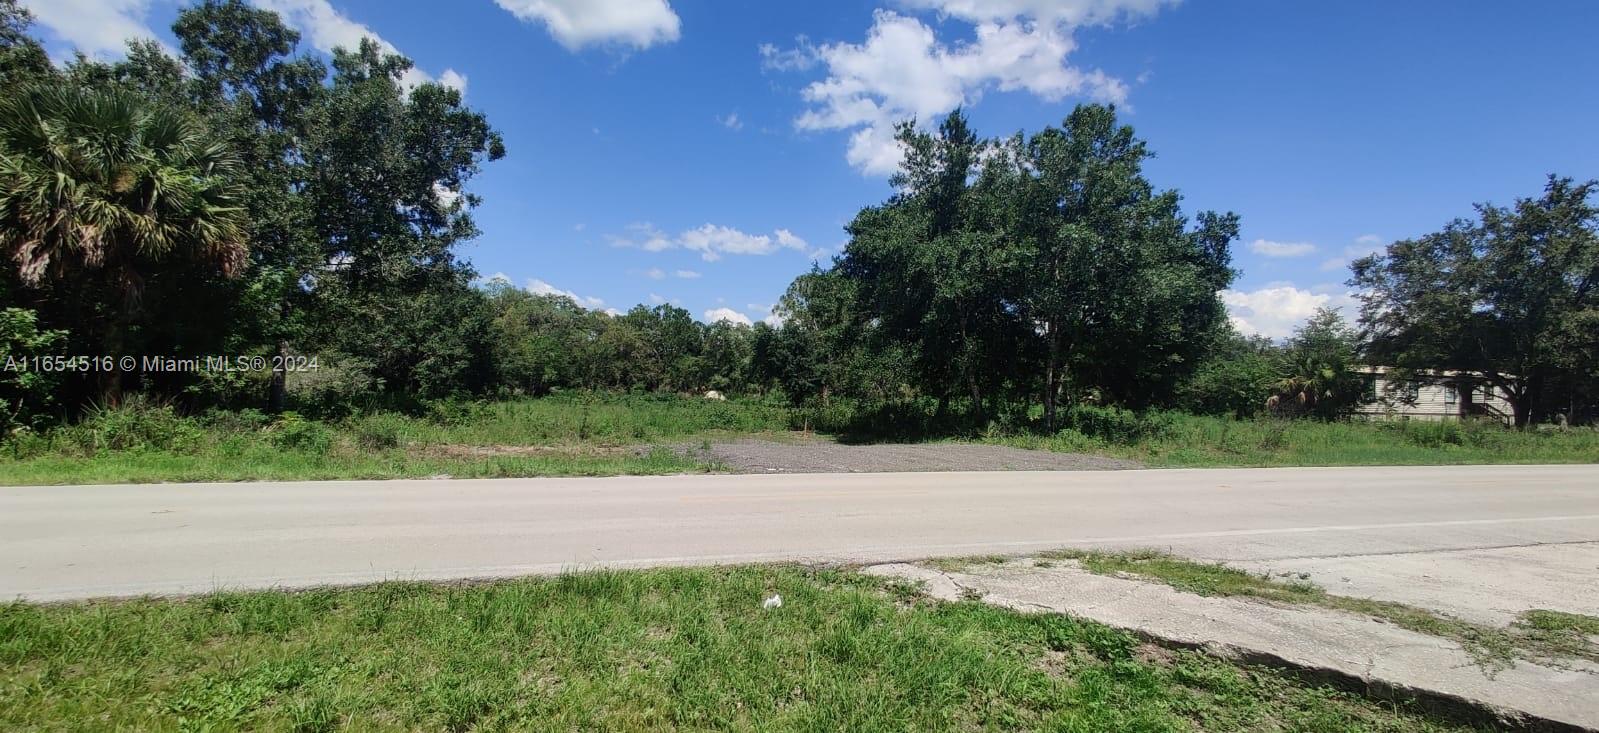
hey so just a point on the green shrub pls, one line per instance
(296, 433)
(382, 431)
(1118, 426)
(1430, 434)
(339, 385)
(137, 424)
(247, 420)
(26, 393)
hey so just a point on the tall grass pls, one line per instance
(1177, 439)
(607, 434)
(581, 435)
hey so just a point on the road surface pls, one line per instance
(67, 542)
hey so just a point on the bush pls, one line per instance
(381, 431)
(247, 420)
(1429, 434)
(1118, 426)
(296, 433)
(26, 394)
(339, 385)
(137, 424)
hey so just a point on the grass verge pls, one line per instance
(1538, 636)
(636, 650)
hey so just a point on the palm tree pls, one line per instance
(99, 187)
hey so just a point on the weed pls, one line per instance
(641, 650)
(1539, 635)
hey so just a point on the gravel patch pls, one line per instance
(815, 456)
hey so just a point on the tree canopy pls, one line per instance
(1509, 294)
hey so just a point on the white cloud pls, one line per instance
(711, 241)
(325, 28)
(1281, 249)
(454, 80)
(578, 23)
(727, 314)
(1278, 308)
(800, 58)
(686, 274)
(655, 273)
(98, 28)
(498, 278)
(656, 299)
(643, 235)
(1068, 12)
(1365, 244)
(903, 70)
(731, 121)
(102, 28)
(448, 197)
(539, 287)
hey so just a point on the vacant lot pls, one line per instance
(608, 434)
(643, 650)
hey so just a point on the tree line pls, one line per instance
(245, 197)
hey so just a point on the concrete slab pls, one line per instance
(1489, 586)
(1329, 643)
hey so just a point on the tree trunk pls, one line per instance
(279, 391)
(1520, 410)
(115, 343)
(1050, 379)
(1531, 395)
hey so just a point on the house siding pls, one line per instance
(1433, 401)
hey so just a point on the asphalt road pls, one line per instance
(65, 542)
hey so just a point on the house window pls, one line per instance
(1407, 391)
(1485, 392)
(1368, 388)
(1451, 395)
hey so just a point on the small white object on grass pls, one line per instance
(776, 601)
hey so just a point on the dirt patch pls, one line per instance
(816, 456)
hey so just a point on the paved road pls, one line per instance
(87, 541)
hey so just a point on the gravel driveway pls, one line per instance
(816, 456)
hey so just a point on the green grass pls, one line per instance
(576, 435)
(1537, 636)
(1178, 440)
(609, 434)
(265, 463)
(638, 650)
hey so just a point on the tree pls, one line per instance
(22, 59)
(1509, 295)
(539, 340)
(1124, 295)
(100, 188)
(935, 271)
(1232, 379)
(1314, 374)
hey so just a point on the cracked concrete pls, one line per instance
(1488, 586)
(1350, 648)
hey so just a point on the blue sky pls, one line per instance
(704, 153)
